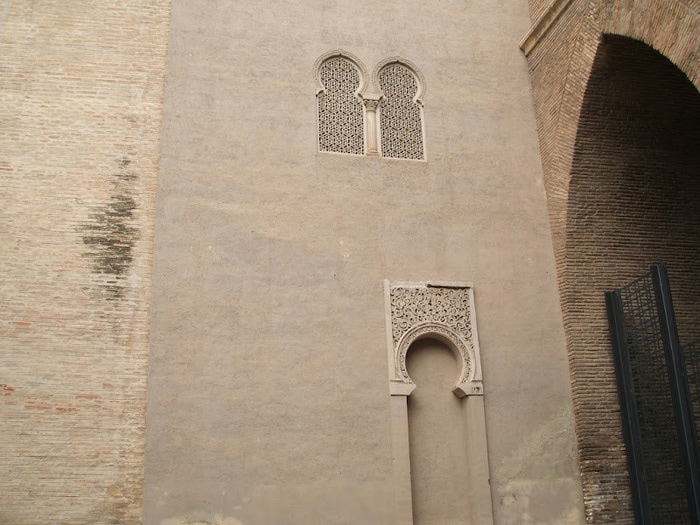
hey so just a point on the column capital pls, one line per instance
(371, 100)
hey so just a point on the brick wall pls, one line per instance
(538, 8)
(81, 92)
(620, 174)
(633, 200)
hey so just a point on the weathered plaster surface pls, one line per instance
(268, 399)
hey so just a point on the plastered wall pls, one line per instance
(81, 87)
(268, 399)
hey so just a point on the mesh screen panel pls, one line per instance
(660, 448)
(400, 117)
(340, 113)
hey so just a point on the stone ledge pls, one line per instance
(543, 24)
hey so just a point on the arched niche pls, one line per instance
(340, 78)
(442, 312)
(437, 429)
(402, 87)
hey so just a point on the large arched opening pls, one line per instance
(633, 200)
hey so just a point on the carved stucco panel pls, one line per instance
(440, 311)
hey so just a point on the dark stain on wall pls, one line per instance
(109, 235)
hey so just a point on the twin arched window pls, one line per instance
(353, 120)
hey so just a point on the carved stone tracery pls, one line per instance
(356, 113)
(401, 113)
(340, 114)
(444, 313)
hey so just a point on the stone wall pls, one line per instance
(268, 397)
(80, 103)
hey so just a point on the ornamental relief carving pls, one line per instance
(444, 313)
(413, 305)
(381, 115)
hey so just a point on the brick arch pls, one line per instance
(668, 26)
(632, 198)
(562, 62)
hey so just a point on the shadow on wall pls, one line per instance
(634, 200)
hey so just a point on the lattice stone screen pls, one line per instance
(340, 112)
(400, 117)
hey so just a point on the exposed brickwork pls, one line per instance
(633, 200)
(561, 63)
(538, 7)
(81, 86)
(622, 193)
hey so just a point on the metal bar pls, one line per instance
(679, 388)
(628, 405)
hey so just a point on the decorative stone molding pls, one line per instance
(401, 111)
(407, 64)
(341, 121)
(442, 311)
(543, 25)
(371, 102)
(340, 53)
(381, 115)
